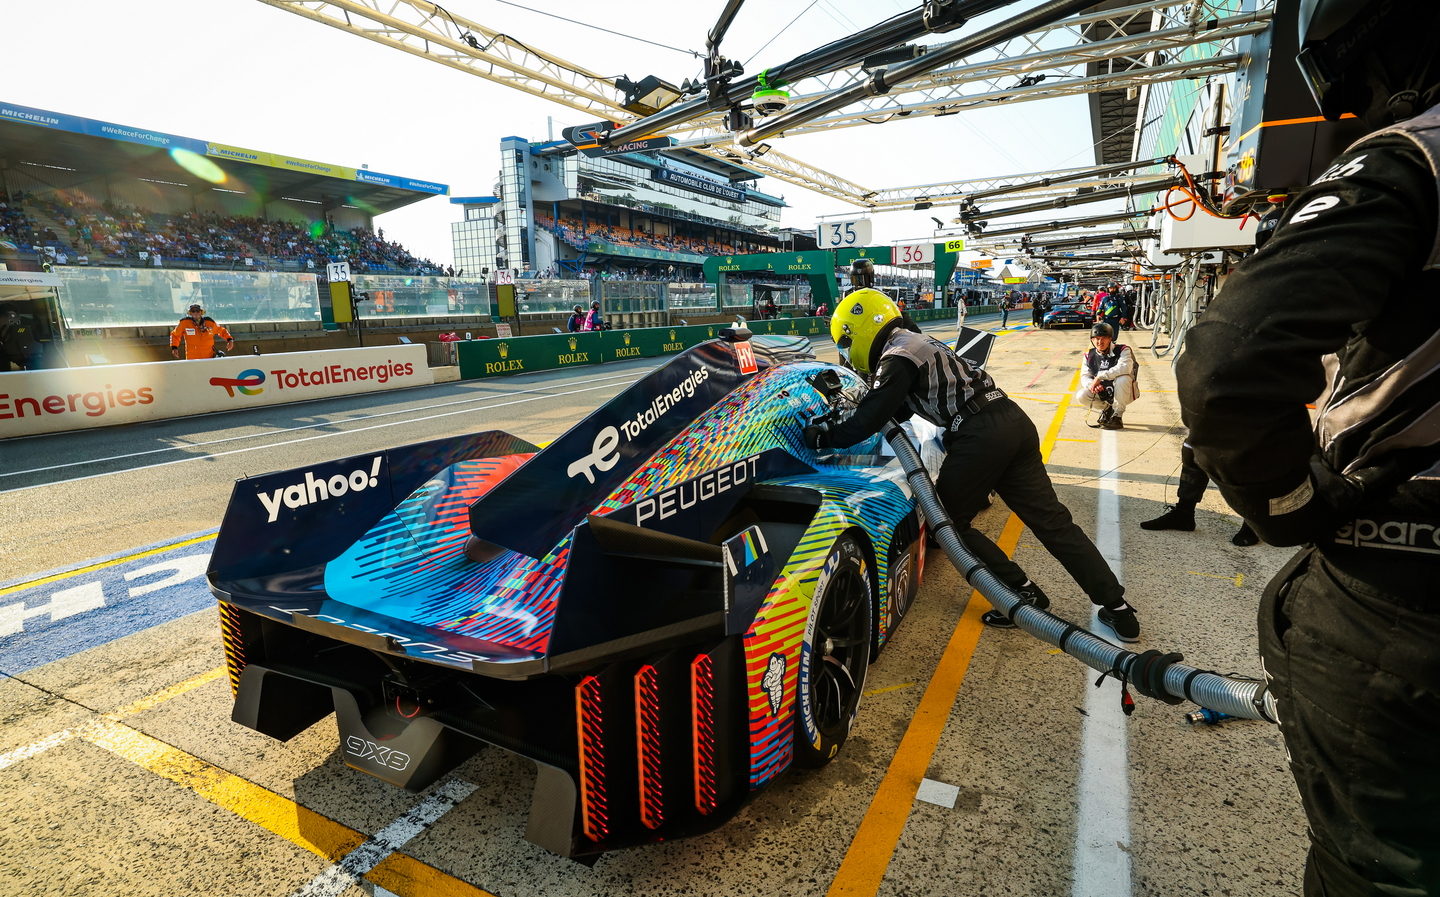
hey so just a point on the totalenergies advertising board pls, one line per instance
(53, 401)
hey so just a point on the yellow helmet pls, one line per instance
(858, 319)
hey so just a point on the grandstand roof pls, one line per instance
(70, 150)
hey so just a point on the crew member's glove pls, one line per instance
(1315, 508)
(817, 435)
(174, 351)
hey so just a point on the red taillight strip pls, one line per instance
(589, 719)
(647, 740)
(233, 638)
(702, 731)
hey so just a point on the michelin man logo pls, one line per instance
(774, 682)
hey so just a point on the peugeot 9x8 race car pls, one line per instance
(664, 609)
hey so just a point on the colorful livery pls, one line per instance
(664, 609)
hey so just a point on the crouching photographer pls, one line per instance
(1107, 378)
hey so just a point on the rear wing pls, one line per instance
(533, 509)
(307, 516)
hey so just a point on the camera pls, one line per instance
(770, 102)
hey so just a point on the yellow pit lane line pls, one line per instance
(318, 834)
(101, 565)
(865, 863)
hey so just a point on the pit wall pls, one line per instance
(50, 401)
(523, 354)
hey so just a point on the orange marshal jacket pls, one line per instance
(199, 338)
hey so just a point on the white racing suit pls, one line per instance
(1115, 369)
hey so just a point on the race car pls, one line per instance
(1068, 315)
(664, 609)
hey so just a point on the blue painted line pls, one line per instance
(129, 552)
(70, 611)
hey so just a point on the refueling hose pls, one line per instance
(1153, 673)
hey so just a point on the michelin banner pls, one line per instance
(54, 401)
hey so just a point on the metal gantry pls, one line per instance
(1050, 61)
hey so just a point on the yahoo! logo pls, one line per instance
(247, 382)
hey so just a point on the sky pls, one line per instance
(247, 74)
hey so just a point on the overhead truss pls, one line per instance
(1062, 59)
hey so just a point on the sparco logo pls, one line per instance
(1395, 535)
(605, 451)
(313, 490)
(369, 750)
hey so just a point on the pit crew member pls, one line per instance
(1350, 628)
(990, 445)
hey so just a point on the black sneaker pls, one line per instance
(1175, 517)
(1244, 536)
(1104, 418)
(1031, 594)
(1114, 423)
(996, 620)
(1122, 622)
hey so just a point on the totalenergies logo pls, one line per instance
(247, 383)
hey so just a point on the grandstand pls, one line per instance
(113, 210)
(77, 191)
(558, 213)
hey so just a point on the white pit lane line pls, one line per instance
(351, 869)
(1101, 865)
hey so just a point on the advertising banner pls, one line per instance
(493, 357)
(648, 342)
(698, 184)
(791, 326)
(544, 352)
(52, 401)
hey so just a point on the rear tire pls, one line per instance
(834, 656)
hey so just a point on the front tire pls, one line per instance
(834, 655)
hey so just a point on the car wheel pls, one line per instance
(834, 655)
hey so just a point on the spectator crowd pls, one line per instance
(112, 232)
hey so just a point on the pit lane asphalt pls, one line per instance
(980, 763)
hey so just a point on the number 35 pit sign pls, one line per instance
(843, 234)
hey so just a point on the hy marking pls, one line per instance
(10, 758)
(60, 614)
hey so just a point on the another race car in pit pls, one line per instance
(1069, 315)
(664, 609)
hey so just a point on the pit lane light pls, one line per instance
(648, 96)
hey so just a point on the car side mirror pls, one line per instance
(827, 382)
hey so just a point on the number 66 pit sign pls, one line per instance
(842, 234)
